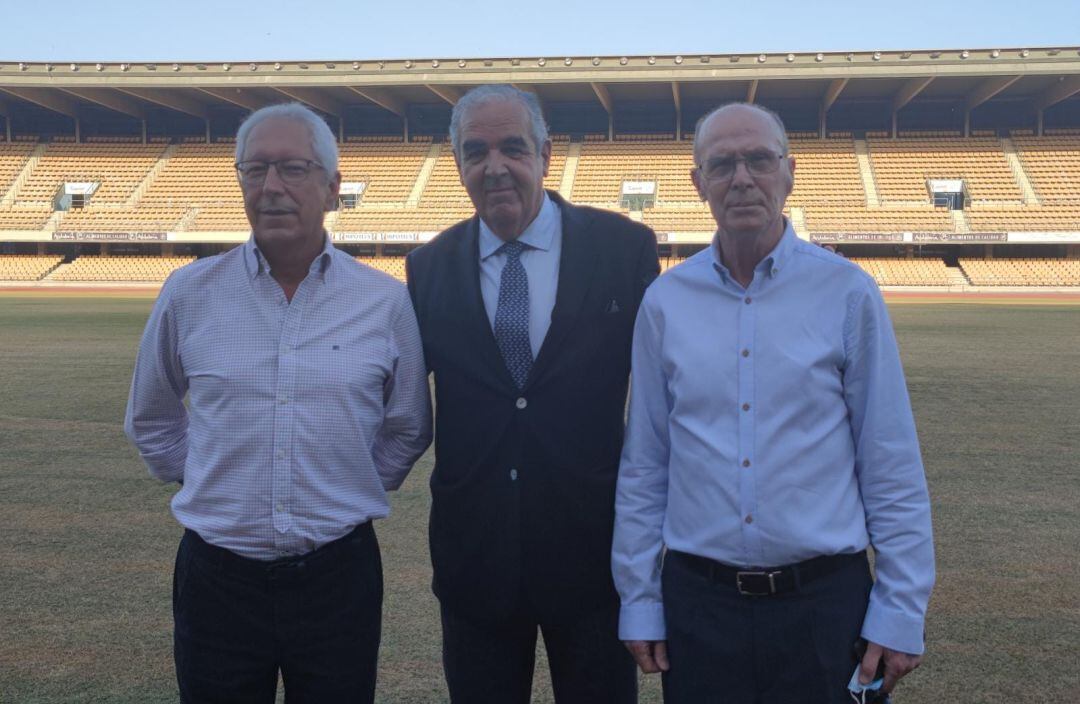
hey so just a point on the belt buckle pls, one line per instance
(771, 576)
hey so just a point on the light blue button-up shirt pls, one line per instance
(540, 258)
(302, 415)
(769, 425)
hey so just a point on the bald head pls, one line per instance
(740, 110)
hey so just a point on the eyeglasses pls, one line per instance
(723, 168)
(290, 171)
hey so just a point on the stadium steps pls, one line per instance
(35, 156)
(53, 223)
(960, 222)
(1018, 172)
(798, 222)
(60, 268)
(866, 171)
(151, 176)
(573, 156)
(330, 220)
(425, 174)
(188, 219)
(956, 278)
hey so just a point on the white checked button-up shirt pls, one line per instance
(301, 415)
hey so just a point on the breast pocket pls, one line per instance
(345, 373)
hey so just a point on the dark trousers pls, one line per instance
(492, 663)
(796, 647)
(315, 618)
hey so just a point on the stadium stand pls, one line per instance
(395, 266)
(1059, 217)
(905, 272)
(1022, 272)
(119, 168)
(605, 165)
(827, 171)
(902, 167)
(14, 267)
(13, 158)
(1053, 165)
(191, 186)
(852, 220)
(123, 268)
(389, 169)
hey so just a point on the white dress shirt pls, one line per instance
(543, 240)
(770, 425)
(301, 415)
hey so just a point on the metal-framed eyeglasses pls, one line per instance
(291, 171)
(757, 164)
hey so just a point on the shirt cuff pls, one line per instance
(168, 466)
(642, 622)
(894, 630)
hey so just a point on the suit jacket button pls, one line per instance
(521, 403)
(513, 475)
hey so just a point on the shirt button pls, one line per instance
(749, 519)
(280, 507)
(747, 300)
(746, 353)
(746, 463)
(746, 406)
(281, 454)
(284, 349)
(521, 403)
(283, 400)
(513, 475)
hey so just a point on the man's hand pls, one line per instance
(650, 655)
(897, 665)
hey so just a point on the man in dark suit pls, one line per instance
(526, 312)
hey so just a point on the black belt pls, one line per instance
(766, 582)
(249, 568)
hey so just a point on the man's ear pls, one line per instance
(332, 196)
(695, 176)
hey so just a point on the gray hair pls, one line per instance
(491, 93)
(754, 106)
(323, 144)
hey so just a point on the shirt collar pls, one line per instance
(256, 263)
(537, 235)
(771, 264)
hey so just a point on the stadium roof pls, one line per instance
(1043, 76)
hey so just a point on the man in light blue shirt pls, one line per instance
(770, 442)
(307, 402)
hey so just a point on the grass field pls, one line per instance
(87, 541)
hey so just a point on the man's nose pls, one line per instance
(272, 181)
(495, 164)
(741, 177)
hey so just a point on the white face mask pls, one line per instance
(866, 693)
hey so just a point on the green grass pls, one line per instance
(87, 541)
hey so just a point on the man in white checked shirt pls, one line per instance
(307, 402)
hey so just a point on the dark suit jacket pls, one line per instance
(523, 489)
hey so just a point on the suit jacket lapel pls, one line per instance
(576, 267)
(477, 333)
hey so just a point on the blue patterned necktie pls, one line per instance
(512, 315)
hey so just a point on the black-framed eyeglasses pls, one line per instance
(759, 164)
(291, 171)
